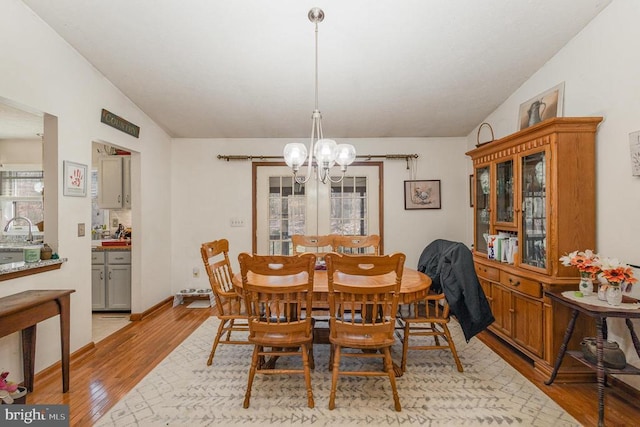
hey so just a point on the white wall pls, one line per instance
(39, 70)
(600, 68)
(207, 192)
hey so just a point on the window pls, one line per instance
(285, 208)
(21, 194)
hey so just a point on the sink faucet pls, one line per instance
(30, 235)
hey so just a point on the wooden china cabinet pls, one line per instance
(536, 186)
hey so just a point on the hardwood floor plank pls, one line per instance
(100, 377)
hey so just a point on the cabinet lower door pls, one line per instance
(527, 323)
(98, 289)
(119, 287)
(501, 306)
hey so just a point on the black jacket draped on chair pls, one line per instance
(450, 266)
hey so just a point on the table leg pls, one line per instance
(563, 347)
(65, 328)
(29, 355)
(634, 337)
(600, 369)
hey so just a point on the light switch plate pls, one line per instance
(81, 229)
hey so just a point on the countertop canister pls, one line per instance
(31, 253)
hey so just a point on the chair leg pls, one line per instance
(216, 341)
(334, 376)
(307, 373)
(252, 372)
(388, 365)
(332, 350)
(312, 361)
(452, 346)
(231, 323)
(435, 330)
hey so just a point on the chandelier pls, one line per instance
(326, 151)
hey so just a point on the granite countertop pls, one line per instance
(97, 245)
(110, 248)
(12, 267)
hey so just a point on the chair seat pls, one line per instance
(275, 339)
(362, 341)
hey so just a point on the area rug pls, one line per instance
(183, 391)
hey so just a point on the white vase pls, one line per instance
(614, 295)
(602, 292)
(586, 285)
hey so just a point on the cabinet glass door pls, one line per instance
(534, 216)
(482, 207)
(504, 192)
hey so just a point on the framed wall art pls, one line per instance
(422, 194)
(544, 106)
(74, 179)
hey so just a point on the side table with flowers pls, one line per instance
(11, 392)
(613, 276)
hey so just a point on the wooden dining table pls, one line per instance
(415, 284)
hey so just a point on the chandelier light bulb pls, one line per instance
(325, 152)
(295, 155)
(345, 154)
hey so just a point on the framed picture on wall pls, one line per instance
(544, 106)
(422, 194)
(74, 179)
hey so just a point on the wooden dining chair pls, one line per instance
(229, 304)
(316, 244)
(277, 289)
(357, 244)
(428, 317)
(363, 301)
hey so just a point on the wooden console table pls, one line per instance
(600, 315)
(23, 311)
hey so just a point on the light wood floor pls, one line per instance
(101, 376)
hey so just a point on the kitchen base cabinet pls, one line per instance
(111, 281)
(98, 283)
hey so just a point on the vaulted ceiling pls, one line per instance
(387, 68)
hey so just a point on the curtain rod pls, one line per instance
(359, 156)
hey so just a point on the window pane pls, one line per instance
(348, 206)
(287, 210)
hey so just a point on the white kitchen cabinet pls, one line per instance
(126, 182)
(98, 283)
(111, 281)
(114, 182)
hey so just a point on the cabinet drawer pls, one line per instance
(520, 284)
(97, 257)
(119, 257)
(486, 272)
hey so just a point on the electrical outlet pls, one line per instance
(237, 222)
(81, 229)
(196, 272)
